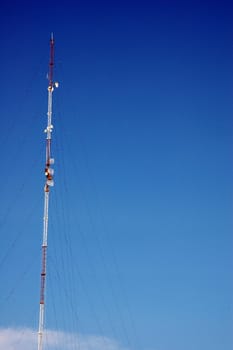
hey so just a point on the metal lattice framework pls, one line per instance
(48, 183)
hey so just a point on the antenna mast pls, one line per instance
(48, 183)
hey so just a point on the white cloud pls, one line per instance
(26, 339)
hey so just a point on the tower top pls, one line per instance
(51, 61)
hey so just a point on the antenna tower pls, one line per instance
(48, 183)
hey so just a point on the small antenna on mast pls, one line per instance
(51, 62)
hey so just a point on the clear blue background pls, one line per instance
(140, 235)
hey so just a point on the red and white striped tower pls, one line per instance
(48, 183)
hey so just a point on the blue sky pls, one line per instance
(140, 234)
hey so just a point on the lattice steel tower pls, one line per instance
(48, 183)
